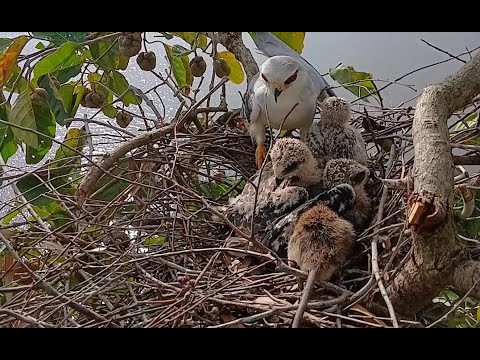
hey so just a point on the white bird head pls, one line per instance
(292, 160)
(279, 73)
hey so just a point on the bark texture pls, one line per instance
(466, 276)
(436, 251)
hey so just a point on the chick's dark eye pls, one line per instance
(291, 78)
(291, 167)
(264, 78)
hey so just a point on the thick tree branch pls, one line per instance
(467, 275)
(436, 251)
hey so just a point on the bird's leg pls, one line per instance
(304, 133)
(260, 155)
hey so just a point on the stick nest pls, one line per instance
(143, 251)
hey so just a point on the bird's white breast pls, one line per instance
(301, 116)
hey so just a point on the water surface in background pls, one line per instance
(386, 55)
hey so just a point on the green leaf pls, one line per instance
(56, 215)
(106, 54)
(33, 189)
(119, 85)
(178, 68)
(236, 72)
(10, 217)
(293, 39)
(4, 43)
(45, 124)
(469, 122)
(40, 46)
(20, 86)
(59, 38)
(359, 83)
(66, 74)
(78, 92)
(123, 61)
(64, 63)
(67, 97)
(189, 37)
(188, 74)
(55, 100)
(110, 111)
(179, 50)
(154, 240)
(73, 139)
(112, 187)
(22, 115)
(8, 147)
(202, 41)
(99, 83)
(66, 158)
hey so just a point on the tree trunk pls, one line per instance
(436, 251)
(466, 277)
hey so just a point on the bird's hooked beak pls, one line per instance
(277, 93)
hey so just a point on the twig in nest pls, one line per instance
(51, 290)
(375, 268)
(88, 182)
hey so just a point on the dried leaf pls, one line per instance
(266, 300)
(225, 318)
(8, 58)
(360, 309)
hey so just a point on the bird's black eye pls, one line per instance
(264, 78)
(291, 78)
(291, 167)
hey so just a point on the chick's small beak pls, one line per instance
(277, 93)
(277, 182)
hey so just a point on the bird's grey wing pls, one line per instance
(270, 45)
(248, 100)
(339, 199)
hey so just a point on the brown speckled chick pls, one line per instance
(332, 137)
(341, 171)
(321, 239)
